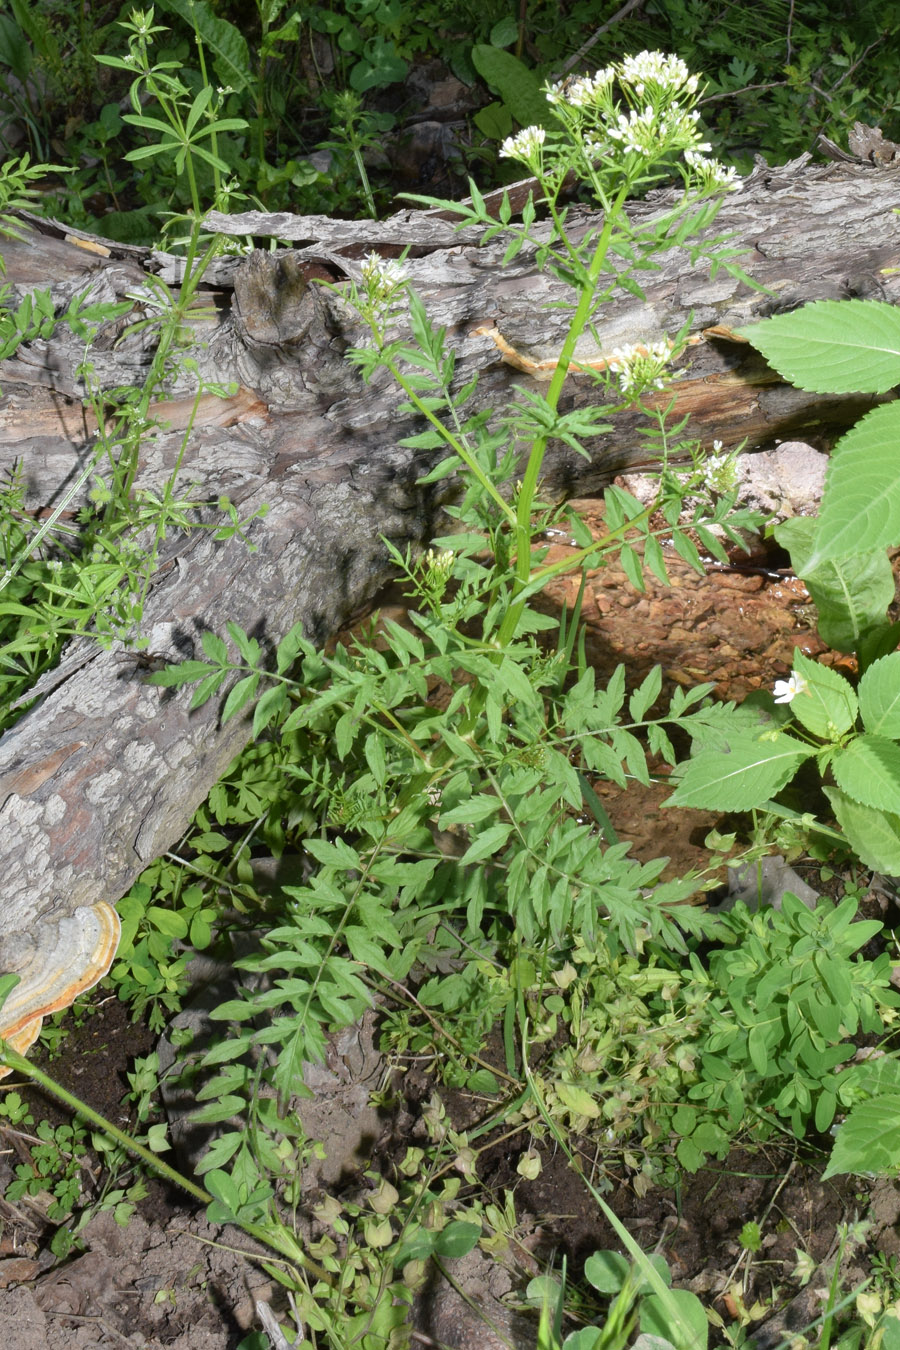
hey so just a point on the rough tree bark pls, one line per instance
(103, 773)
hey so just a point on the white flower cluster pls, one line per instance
(439, 563)
(640, 366)
(637, 132)
(662, 73)
(382, 276)
(524, 146)
(712, 174)
(582, 91)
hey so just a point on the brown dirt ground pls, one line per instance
(167, 1280)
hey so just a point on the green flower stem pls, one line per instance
(536, 458)
(279, 1241)
(456, 445)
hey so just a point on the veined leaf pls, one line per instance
(746, 774)
(228, 45)
(861, 503)
(833, 346)
(851, 596)
(828, 706)
(868, 770)
(518, 86)
(874, 834)
(869, 1139)
(879, 696)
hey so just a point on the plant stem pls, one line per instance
(278, 1240)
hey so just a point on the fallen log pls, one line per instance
(103, 772)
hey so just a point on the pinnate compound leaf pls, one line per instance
(746, 774)
(869, 1139)
(861, 503)
(833, 346)
(873, 834)
(828, 706)
(868, 770)
(879, 696)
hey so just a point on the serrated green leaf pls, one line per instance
(223, 1109)
(471, 811)
(873, 834)
(518, 86)
(851, 596)
(828, 706)
(833, 346)
(220, 1151)
(868, 770)
(879, 696)
(240, 696)
(860, 508)
(487, 844)
(270, 705)
(646, 695)
(747, 774)
(231, 56)
(869, 1139)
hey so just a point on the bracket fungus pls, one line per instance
(56, 972)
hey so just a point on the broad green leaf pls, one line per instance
(578, 1100)
(873, 834)
(457, 1239)
(167, 921)
(691, 1332)
(861, 504)
(833, 346)
(518, 86)
(828, 706)
(879, 696)
(868, 770)
(228, 45)
(869, 1139)
(746, 774)
(851, 596)
(607, 1271)
(380, 65)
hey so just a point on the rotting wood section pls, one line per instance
(104, 772)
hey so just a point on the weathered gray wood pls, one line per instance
(104, 772)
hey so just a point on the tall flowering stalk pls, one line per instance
(620, 129)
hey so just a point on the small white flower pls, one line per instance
(787, 690)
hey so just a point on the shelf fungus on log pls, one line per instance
(82, 953)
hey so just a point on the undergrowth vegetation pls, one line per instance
(314, 100)
(431, 787)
